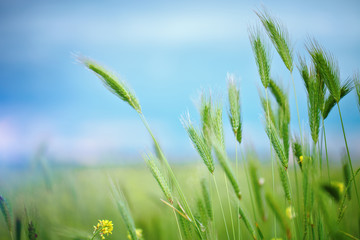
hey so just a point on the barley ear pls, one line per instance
(314, 107)
(262, 57)
(330, 102)
(327, 67)
(7, 213)
(199, 142)
(268, 110)
(285, 182)
(247, 223)
(298, 153)
(151, 162)
(357, 87)
(124, 210)
(276, 144)
(205, 114)
(234, 108)
(304, 72)
(279, 37)
(217, 126)
(118, 88)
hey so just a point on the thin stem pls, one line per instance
(326, 151)
(221, 207)
(177, 223)
(272, 159)
(237, 177)
(348, 153)
(297, 107)
(301, 139)
(297, 190)
(230, 210)
(172, 176)
(248, 182)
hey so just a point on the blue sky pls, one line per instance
(167, 51)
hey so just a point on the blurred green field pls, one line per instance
(68, 202)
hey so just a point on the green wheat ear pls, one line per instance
(124, 210)
(234, 108)
(152, 163)
(297, 150)
(314, 107)
(357, 86)
(262, 57)
(304, 72)
(119, 88)
(199, 142)
(327, 67)
(279, 37)
(276, 144)
(205, 114)
(247, 223)
(330, 102)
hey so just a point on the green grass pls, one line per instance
(82, 196)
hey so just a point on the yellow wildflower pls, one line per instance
(339, 185)
(301, 158)
(104, 227)
(290, 213)
(138, 234)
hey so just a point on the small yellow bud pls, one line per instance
(290, 213)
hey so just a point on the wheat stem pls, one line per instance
(230, 210)
(221, 207)
(348, 153)
(172, 176)
(272, 159)
(237, 176)
(177, 223)
(248, 181)
(326, 151)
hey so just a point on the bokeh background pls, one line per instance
(168, 51)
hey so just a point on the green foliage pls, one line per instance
(279, 37)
